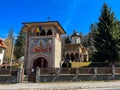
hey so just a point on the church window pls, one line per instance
(49, 32)
(76, 55)
(42, 33)
(67, 56)
(37, 31)
(72, 57)
(85, 58)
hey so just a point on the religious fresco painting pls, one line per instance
(41, 45)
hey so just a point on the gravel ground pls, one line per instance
(95, 85)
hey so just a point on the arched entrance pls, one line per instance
(40, 62)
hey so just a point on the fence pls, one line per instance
(89, 70)
(76, 74)
(8, 71)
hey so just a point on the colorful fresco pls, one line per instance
(41, 45)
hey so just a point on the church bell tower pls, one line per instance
(43, 44)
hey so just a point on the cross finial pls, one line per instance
(48, 19)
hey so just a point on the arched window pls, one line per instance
(49, 32)
(85, 58)
(77, 57)
(42, 33)
(67, 56)
(37, 33)
(72, 57)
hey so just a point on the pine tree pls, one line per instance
(116, 36)
(67, 40)
(90, 40)
(105, 43)
(19, 45)
(83, 39)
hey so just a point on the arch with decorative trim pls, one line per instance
(40, 60)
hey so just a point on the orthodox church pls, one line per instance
(43, 46)
(75, 52)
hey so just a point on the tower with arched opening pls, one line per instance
(43, 44)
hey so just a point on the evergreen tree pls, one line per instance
(83, 41)
(116, 36)
(90, 40)
(19, 45)
(105, 43)
(67, 40)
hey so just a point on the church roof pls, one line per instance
(2, 44)
(53, 23)
(73, 45)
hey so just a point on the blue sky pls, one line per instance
(72, 14)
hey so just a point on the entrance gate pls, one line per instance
(39, 62)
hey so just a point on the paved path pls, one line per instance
(111, 85)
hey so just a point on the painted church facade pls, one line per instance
(43, 44)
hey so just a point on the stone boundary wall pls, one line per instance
(8, 79)
(82, 74)
(11, 76)
(86, 70)
(52, 78)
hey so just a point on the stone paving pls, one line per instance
(95, 85)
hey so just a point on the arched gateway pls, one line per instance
(40, 62)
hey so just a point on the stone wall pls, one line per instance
(52, 78)
(82, 74)
(8, 79)
(11, 77)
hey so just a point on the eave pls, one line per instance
(54, 23)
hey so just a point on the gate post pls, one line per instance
(19, 75)
(95, 71)
(113, 71)
(37, 74)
